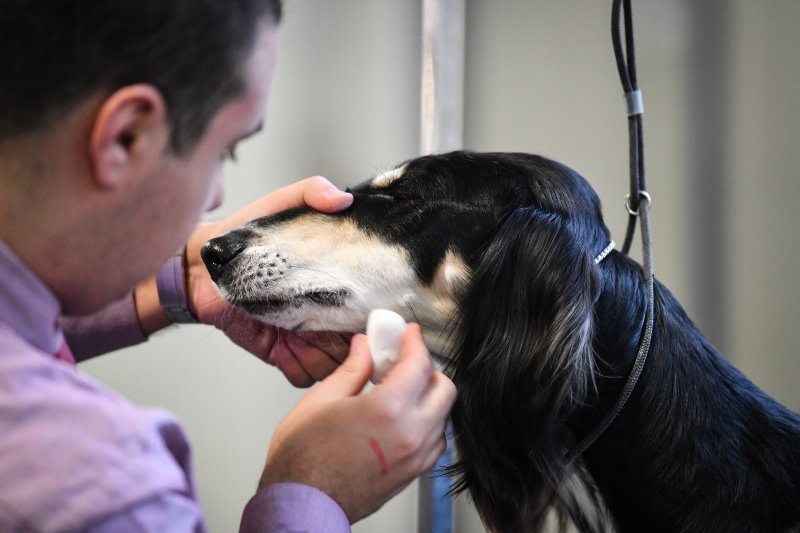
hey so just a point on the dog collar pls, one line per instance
(602, 255)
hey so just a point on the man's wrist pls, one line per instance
(171, 289)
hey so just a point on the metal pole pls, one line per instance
(442, 95)
(441, 130)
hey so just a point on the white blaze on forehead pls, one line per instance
(387, 178)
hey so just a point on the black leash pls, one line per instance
(638, 206)
(633, 100)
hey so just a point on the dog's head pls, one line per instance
(493, 254)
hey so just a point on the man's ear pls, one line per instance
(130, 125)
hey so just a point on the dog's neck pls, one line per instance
(437, 341)
(619, 325)
(681, 419)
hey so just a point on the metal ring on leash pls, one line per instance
(643, 196)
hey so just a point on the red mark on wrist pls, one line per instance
(376, 449)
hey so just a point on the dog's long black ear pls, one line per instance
(522, 364)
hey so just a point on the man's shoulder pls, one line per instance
(71, 449)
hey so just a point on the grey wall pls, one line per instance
(721, 83)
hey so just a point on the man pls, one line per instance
(115, 117)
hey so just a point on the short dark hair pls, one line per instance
(56, 53)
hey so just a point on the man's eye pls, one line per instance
(229, 154)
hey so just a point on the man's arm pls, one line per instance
(115, 327)
(282, 508)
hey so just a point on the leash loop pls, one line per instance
(643, 195)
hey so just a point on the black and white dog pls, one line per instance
(494, 255)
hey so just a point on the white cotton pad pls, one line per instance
(384, 331)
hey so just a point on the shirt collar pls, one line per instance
(27, 305)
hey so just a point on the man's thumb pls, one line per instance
(352, 375)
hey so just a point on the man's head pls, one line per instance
(55, 54)
(115, 118)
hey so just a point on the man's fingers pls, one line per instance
(435, 451)
(317, 362)
(414, 370)
(323, 196)
(335, 344)
(439, 397)
(351, 376)
(316, 192)
(288, 364)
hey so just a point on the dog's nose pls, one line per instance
(217, 253)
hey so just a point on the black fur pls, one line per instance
(542, 343)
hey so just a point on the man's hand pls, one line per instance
(304, 360)
(362, 449)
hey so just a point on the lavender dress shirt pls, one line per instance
(75, 456)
